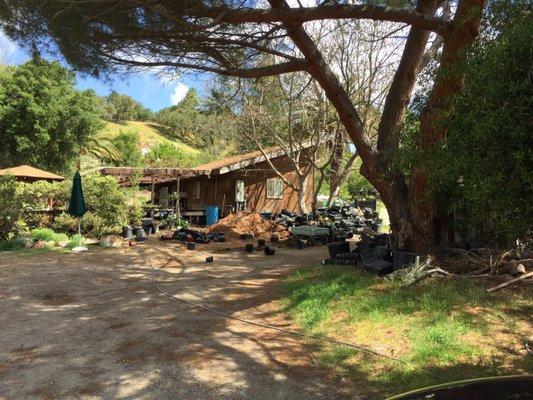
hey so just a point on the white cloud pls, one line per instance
(179, 93)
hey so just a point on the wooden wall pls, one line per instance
(219, 190)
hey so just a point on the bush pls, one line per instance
(75, 241)
(92, 222)
(107, 205)
(10, 207)
(482, 172)
(48, 235)
(65, 223)
(13, 244)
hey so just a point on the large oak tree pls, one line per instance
(232, 37)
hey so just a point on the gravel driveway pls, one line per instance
(93, 326)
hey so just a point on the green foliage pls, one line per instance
(357, 184)
(10, 207)
(37, 195)
(201, 124)
(106, 204)
(118, 107)
(128, 147)
(75, 241)
(166, 155)
(43, 119)
(48, 235)
(482, 172)
(181, 120)
(14, 244)
(65, 222)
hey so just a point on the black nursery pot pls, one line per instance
(127, 232)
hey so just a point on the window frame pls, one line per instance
(277, 181)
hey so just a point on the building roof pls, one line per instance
(28, 172)
(218, 167)
(229, 164)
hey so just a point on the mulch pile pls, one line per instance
(245, 223)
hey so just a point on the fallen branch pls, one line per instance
(410, 275)
(502, 285)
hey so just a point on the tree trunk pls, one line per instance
(449, 82)
(302, 194)
(410, 209)
(334, 172)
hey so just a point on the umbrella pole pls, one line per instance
(79, 232)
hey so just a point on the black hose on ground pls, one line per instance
(259, 324)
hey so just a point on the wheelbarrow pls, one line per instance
(308, 235)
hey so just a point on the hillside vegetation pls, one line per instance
(150, 134)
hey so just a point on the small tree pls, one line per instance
(128, 147)
(10, 209)
(43, 119)
(166, 155)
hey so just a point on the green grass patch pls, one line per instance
(48, 235)
(440, 329)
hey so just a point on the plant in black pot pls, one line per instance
(135, 214)
(171, 220)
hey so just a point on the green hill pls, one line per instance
(150, 134)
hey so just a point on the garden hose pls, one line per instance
(259, 324)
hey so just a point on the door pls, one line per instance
(239, 195)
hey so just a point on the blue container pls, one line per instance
(211, 215)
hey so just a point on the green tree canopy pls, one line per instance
(166, 155)
(44, 120)
(483, 168)
(181, 120)
(119, 107)
(128, 148)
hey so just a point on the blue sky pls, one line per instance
(150, 90)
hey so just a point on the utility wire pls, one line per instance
(259, 324)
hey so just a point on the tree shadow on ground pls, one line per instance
(87, 325)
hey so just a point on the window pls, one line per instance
(197, 190)
(274, 188)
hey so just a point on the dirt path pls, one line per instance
(92, 326)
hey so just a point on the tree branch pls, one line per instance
(258, 72)
(300, 15)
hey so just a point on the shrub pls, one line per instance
(65, 222)
(10, 207)
(48, 235)
(13, 244)
(106, 204)
(75, 241)
(482, 173)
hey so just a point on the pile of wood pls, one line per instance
(517, 264)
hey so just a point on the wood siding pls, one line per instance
(219, 190)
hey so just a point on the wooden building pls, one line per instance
(242, 183)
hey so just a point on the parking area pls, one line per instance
(93, 326)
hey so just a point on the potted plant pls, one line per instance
(127, 231)
(135, 219)
(171, 220)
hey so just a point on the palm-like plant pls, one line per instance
(100, 147)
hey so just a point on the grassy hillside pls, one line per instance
(150, 134)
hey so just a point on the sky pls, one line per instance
(152, 91)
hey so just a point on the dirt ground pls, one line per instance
(92, 326)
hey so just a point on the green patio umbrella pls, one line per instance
(76, 206)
